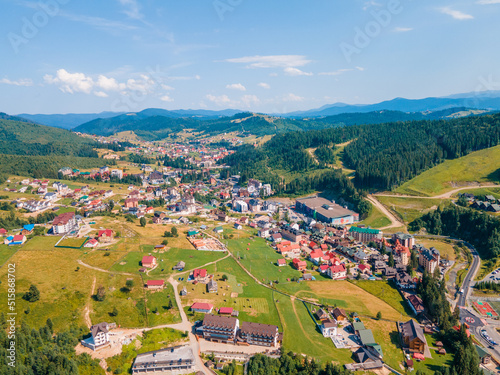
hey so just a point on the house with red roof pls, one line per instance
(199, 307)
(18, 239)
(316, 256)
(91, 243)
(155, 284)
(364, 269)
(226, 311)
(200, 275)
(105, 236)
(300, 265)
(323, 268)
(148, 261)
(281, 262)
(337, 272)
(3, 231)
(290, 251)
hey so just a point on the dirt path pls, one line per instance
(86, 311)
(440, 196)
(395, 222)
(103, 270)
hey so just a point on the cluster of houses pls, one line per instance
(489, 204)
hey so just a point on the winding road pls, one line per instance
(441, 196)
(395, 222)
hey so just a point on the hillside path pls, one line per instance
(395, 222)
(440, 196)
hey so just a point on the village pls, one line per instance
(300, 242)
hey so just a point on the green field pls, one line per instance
(41, 243)
(376, 219)
(409, 209)
(438, 360)
(75, 243)
(159, 300)
(6, 252)
(478, 166)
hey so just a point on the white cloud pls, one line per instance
(369, 4)
(293, 98)
(108, 84)
(402, 29)
(71, 82)
(456, 14)
(296, 72)
(19, 82)
(100, 94)
(132, 9)
(264, 85)
(487, 2)
(98, 22)
(341, 71)
(219, 100)
(236, 86)
(273, 61)
(167, 87)
(166, 98)
(249, 100)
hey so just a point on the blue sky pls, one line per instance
(62, 56)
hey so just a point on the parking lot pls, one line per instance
(493, 276)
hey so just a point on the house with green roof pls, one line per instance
(365, 234)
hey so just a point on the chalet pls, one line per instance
(484, 355)
(339, 315)
(281, 262)
(105, 236)
(238, 226)
(212, 286)
(221, 216)
(263, 233)
(64, 223)
(131, 203)
(200, 307)
(218, 230)
(307, 277)
(323, 268)
(316, 256)
(27, 229)
(179, 266)
(413, 336)
(364, 269)
(17, 239)
(148, 261)
(289, 251)
(99, 336)
(328, 328)
(300, 265)
(220, 328)
(3, 232)
(155, 284)
(337, 272)
(404, 281)
(322, 314)
(415, 303)
(276, 237)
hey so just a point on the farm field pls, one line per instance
(63, 290)
(409, 209)
(41, 243)
(479, 166)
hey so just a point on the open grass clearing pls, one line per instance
(409, 209)
(376, 219)
(39, 243)
(75, 243)
(479, 166)
(159, 301)
(6, 252)
(445, 248)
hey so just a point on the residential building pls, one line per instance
(64, 223)
(179, 266)
(220, 328)
(300, 265)
(407, 240)
(413, 336)
(340, 315)
(155, 284)
(199, 307)
(429, 259)
(337, 272)
(200, 275)
(291, 234)
(105, 236)
(328, 328)
(148, 261)
(99, 336)
(240, 206)
(365, 234)
(259, 334)
(212, 286)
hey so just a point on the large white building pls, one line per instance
(99, 336)
(64, 223)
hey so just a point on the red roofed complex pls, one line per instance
(337, 272)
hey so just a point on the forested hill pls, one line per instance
(383, 155)
(26, 138)
(156, 124)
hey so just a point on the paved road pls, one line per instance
(469, 278)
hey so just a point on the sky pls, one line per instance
(278, 56)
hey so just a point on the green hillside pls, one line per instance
(479, 166)
(26, 138)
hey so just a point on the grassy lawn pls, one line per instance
(130, 305)
(159, 300)
(429, 366)
(6, 252)
(41, 243)
(73, 242)
(478, 166)
(98, 258)
(386, 292)
(261, 259)
(300, 335)
(131, 262)
(192, 258)
(410, 209)
(151, 340)
(63, 290)
(376, 219)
